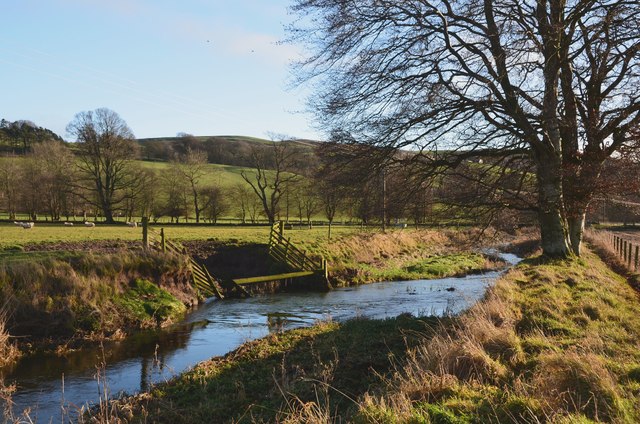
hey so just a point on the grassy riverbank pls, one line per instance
(554, 341)
(58, 293)
(359, 257)
(404, 255)
(61, 298)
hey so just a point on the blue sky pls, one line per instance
(205, 67)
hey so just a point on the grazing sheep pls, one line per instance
(89, 224)
(132, 224)
(68, 224)
(27, 225)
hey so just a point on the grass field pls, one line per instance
(10, 235)
(222, 175)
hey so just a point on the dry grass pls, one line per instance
(577, 383)
(601, 245)
(8, 350)
(80, 296)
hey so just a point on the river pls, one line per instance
(52, 386)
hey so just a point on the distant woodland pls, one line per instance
(108, 175)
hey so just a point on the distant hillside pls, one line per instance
(223, 150)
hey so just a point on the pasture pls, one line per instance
(226, 176)
(11, 235)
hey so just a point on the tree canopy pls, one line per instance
(446, 79)
(106, 147)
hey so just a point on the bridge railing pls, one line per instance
(282, 250)
(201, 279)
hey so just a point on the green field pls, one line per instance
(222, 175)
(10, 235)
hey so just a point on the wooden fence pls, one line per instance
(282, 250)
(206, 284)
(627, 250)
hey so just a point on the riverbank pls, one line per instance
(62, 300)
(553, 341)
(362, 257)
(61, 295)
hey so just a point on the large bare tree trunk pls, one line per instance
(576, 230)
(552, 224)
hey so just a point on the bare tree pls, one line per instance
(215, 204)
(106, 148)
(556, 78)
(53, 174)
(306, 199)
(10, 174)
(268, 182)
(175, 190)
(192, 167)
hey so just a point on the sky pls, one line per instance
(203, 67)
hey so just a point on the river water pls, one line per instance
(52, 386)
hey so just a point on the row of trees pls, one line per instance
(97, 176)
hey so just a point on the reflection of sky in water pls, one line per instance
(219, 327)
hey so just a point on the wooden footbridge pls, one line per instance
(301, 267)
(297, 261)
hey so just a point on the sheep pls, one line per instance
(89, 224)
(27, 225)
(68, 224)
(132, 224)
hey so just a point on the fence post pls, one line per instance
(624, 252)
(163, 246)
(618, 245)
(286, 252)
(628, 259)
(145, 232)
(325, 268)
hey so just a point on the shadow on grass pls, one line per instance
(252, 384)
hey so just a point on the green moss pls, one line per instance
(146, 300)
(441, 415)
(446, 265)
